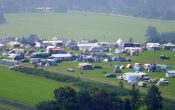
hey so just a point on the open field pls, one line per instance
(26, 88)
(79, 25)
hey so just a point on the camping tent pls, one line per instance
(168, 46)
(128, 66)
(120, 42)
(132, 81)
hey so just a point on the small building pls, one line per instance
(85, 66)
(170, 73)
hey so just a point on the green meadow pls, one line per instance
(79, 25)
(24, 88)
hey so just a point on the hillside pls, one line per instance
(158, 9)
(79, 25)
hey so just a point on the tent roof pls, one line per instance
(119, 41)
(169, 44)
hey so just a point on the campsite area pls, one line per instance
(27, 85)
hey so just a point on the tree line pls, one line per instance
(155, 9)
(67, 98)
(152, 35)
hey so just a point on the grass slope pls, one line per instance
(26, 88)
(78, 25)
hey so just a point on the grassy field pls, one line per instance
(26, 88)
(79, 25)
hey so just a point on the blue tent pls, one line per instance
(153, 68)
(132, 81)
(138, 68)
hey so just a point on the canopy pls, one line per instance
(120, 42)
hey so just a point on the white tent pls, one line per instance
(120, 42)
(169, 44)
(14, 44)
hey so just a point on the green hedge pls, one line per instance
(70, 79)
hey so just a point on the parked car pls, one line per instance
(162, 81)
(145, 78)
(70, 69)
(112, 75)
(141, 84)
(97, 67)
(153, 80)
(164, 57)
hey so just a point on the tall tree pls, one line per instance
(66, 98)
(88, 99)
(46, 105)
(152, 34)
(131, 40)
(2, 18)
(153, 98)
(135, 98)
(127, 104)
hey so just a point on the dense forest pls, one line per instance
(154, 9)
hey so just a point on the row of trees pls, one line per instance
(98, 99)
(163, 9)
(152, 35)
